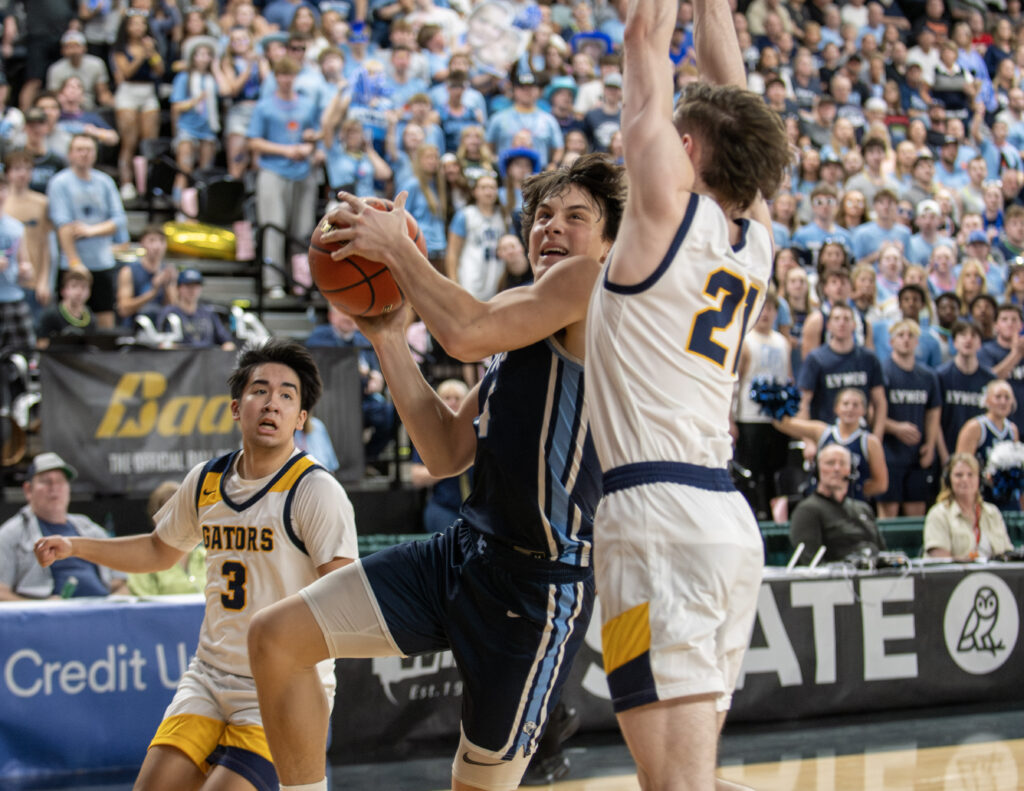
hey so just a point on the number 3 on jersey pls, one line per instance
(234, 576)
(728, 291)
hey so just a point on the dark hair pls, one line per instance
(79, 274)
(746, 147)
(426, 33)
(984, 298)
(83, 136)
(914, 287)
(842, 306)
(18, 157)
(121, 37)
(873, 142)
(595, 174)
(284, 352)
(960, 327)
(45, 95)
(1009, 307)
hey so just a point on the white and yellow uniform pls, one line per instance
(264, 541)
(678, 553)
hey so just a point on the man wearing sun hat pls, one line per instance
(559, 95)
(47, 491)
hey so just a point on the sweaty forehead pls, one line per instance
(571, 196)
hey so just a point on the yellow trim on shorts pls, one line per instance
(199, 736)
(193, 734)
(625, 637)
(247, 737)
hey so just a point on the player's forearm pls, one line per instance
(133, 554)
(448, 310)
(429, 421)
(648, 17)
(717, 48)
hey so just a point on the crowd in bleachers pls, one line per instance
(904, 199)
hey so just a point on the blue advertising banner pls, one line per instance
(86, 682)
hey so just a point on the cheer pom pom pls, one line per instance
(776, 400)
(1005, 468)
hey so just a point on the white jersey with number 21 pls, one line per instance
(662, 354)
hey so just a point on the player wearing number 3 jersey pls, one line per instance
(677, 552)
(272, 521)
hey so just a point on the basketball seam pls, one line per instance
(367, 280)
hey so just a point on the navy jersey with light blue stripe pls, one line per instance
(537, 480)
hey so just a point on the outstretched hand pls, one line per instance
(52, 548)
(363, 230)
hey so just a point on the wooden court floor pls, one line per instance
(992, 766)
(960, 749)
(989, 765)
(948, 749)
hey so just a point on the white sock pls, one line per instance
(319, 785)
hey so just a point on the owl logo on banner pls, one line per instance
(981, 623)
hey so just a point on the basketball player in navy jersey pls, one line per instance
(272, 520)
(509, 587)
(678, 554)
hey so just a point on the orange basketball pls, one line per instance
(357, 285)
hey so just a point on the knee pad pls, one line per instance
(486, 770)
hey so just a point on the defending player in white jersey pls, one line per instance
(272, 521)
(678, 554)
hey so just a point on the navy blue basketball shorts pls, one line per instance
(513, 623)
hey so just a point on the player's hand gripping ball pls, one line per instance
(357, 285)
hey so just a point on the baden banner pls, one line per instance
(129, 420)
